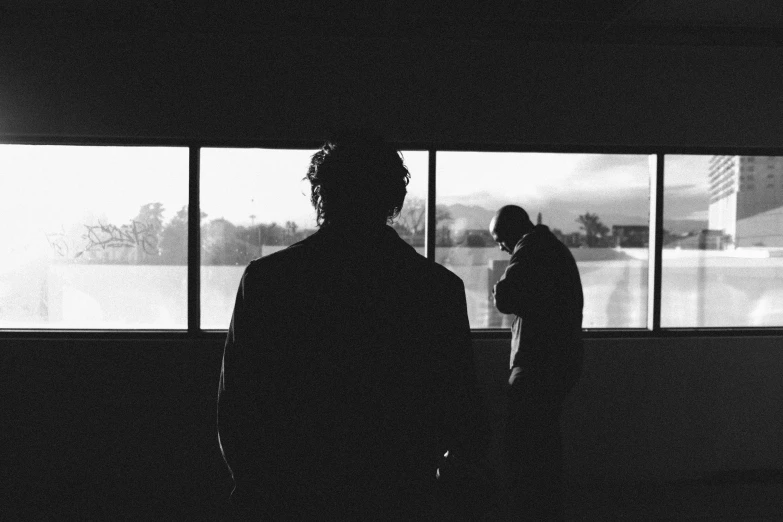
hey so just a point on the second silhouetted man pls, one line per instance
(542, 288)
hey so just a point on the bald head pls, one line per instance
(508, 226)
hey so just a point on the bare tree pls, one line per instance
(413, 215)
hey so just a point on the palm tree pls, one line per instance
(594, 229)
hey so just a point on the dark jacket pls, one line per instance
(347, 373)
(542, 287)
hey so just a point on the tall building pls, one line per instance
(746, 199)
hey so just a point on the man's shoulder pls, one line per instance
(444, 274)
(540, 240)
(415, 264)
(288, 257)
(311, 251)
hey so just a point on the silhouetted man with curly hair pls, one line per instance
(348, 370)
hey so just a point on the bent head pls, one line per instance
(357, 179)
(508, 226)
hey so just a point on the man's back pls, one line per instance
(542, 287)
(347, 372)
(557, 285)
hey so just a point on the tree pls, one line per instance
(443, 232)
(145, 229)
(412, 217)
(595, 231)
(174, 239)
(290, 232)
(221, 244)
(413, 220)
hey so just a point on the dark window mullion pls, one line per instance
(431, 225)
(194, 243)
(655, 267)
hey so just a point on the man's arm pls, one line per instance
(229, 410)
(245, 398)
(468, 424)
(510, 293)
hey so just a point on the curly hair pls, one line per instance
(357, 177)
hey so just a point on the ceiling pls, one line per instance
(727, 22)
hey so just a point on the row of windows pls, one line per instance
(97, 236)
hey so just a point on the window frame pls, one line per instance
(195, 332)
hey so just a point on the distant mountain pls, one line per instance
(562, 216)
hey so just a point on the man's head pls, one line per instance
(357, 179)
(508, 226)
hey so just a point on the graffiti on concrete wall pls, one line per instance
(105, 236)
(136, 234)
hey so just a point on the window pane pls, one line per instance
(93, 237)
(255, 202)
(609, 192)
(723, 246)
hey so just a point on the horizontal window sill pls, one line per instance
(478, 334)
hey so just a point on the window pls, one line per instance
(722, 255)
(606, 230)
(255, 202)
(97, 236)
(93, 237)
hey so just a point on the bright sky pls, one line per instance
(472, 177)
(46, 189)
(269, 184)
(685, 180)
(562, 186)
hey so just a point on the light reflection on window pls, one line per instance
(94, 237)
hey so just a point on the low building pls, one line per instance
(631, 236)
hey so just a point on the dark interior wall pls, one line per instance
(111, 430)
(101, 429)
(415, 89)
(664, 409)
